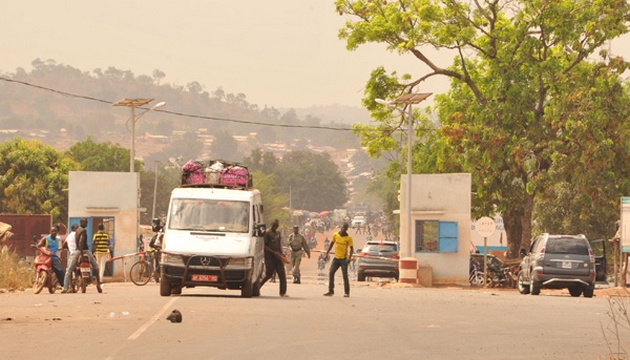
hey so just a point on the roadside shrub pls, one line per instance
(15, 274)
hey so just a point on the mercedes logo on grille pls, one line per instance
(205, 261)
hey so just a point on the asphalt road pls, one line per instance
(378, 321)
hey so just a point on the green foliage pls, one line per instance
(261, 161)
(527, 100)
(313, 180)
(274, 201)
(103, 156)
(224, 147)
(34, 179)
(185, 148)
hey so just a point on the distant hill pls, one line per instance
(341, 114)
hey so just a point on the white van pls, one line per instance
(213, 236)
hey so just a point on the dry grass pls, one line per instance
(617, 331)
(15, 274)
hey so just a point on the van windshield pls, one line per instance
(209, 215)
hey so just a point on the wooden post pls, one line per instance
(616, 258)
(624, 274)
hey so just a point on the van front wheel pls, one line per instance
(256, 288)
(165, 288)
(247, 289)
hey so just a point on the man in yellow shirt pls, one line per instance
(100, 249)
(342, 241)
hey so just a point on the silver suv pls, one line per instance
(558, 262)
(378, 259)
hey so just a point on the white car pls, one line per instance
(358, 221)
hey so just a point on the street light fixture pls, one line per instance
(133, 104)
(408, 100)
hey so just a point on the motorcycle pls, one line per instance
(83, 273)
(475, 276)
(321, 264)
(501, 276)
(44, 274)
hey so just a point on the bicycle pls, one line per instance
(142, 270)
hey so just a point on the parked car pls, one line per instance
(378, 259)
(358, 220)
(558, 262)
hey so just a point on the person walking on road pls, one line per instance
(298, 246)
(273, 263)
(344, 247)
(100, 248)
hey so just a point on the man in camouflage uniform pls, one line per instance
(298, 245)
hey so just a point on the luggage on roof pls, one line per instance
(216, 173)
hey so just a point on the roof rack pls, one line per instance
(216, 174)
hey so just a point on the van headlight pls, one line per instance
(241, 262)
(172, 258)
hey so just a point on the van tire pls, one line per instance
(520, 284)
(575, 291)
(247, 290)
(534, 287)
(165, 288)
(256, 288)
(588, 291)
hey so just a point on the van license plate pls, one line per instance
(206, 278)
(566, 264)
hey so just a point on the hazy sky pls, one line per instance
(281, 53)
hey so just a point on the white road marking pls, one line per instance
(155, 317)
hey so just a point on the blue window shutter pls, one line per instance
(447, 236)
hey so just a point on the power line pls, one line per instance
(176, 113)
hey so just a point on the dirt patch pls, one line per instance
(599, 292)
(613, 292)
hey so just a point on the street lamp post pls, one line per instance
(133, 103)
(408, 99)
(155, 189)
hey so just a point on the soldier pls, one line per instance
(298, 246)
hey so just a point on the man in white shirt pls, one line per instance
(71, 240)
(73, 257)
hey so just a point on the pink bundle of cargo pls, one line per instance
(192, 174)
(216, 173)
(234, 175)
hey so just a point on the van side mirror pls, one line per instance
(260, 230)
(523, 252)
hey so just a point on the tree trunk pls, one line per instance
(514, 232)
(526, 222)
(518, 227)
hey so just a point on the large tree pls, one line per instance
(34, 179)
(526, 96)
(275, 202)
(258, 160)
(103, 156)
(313, 180)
